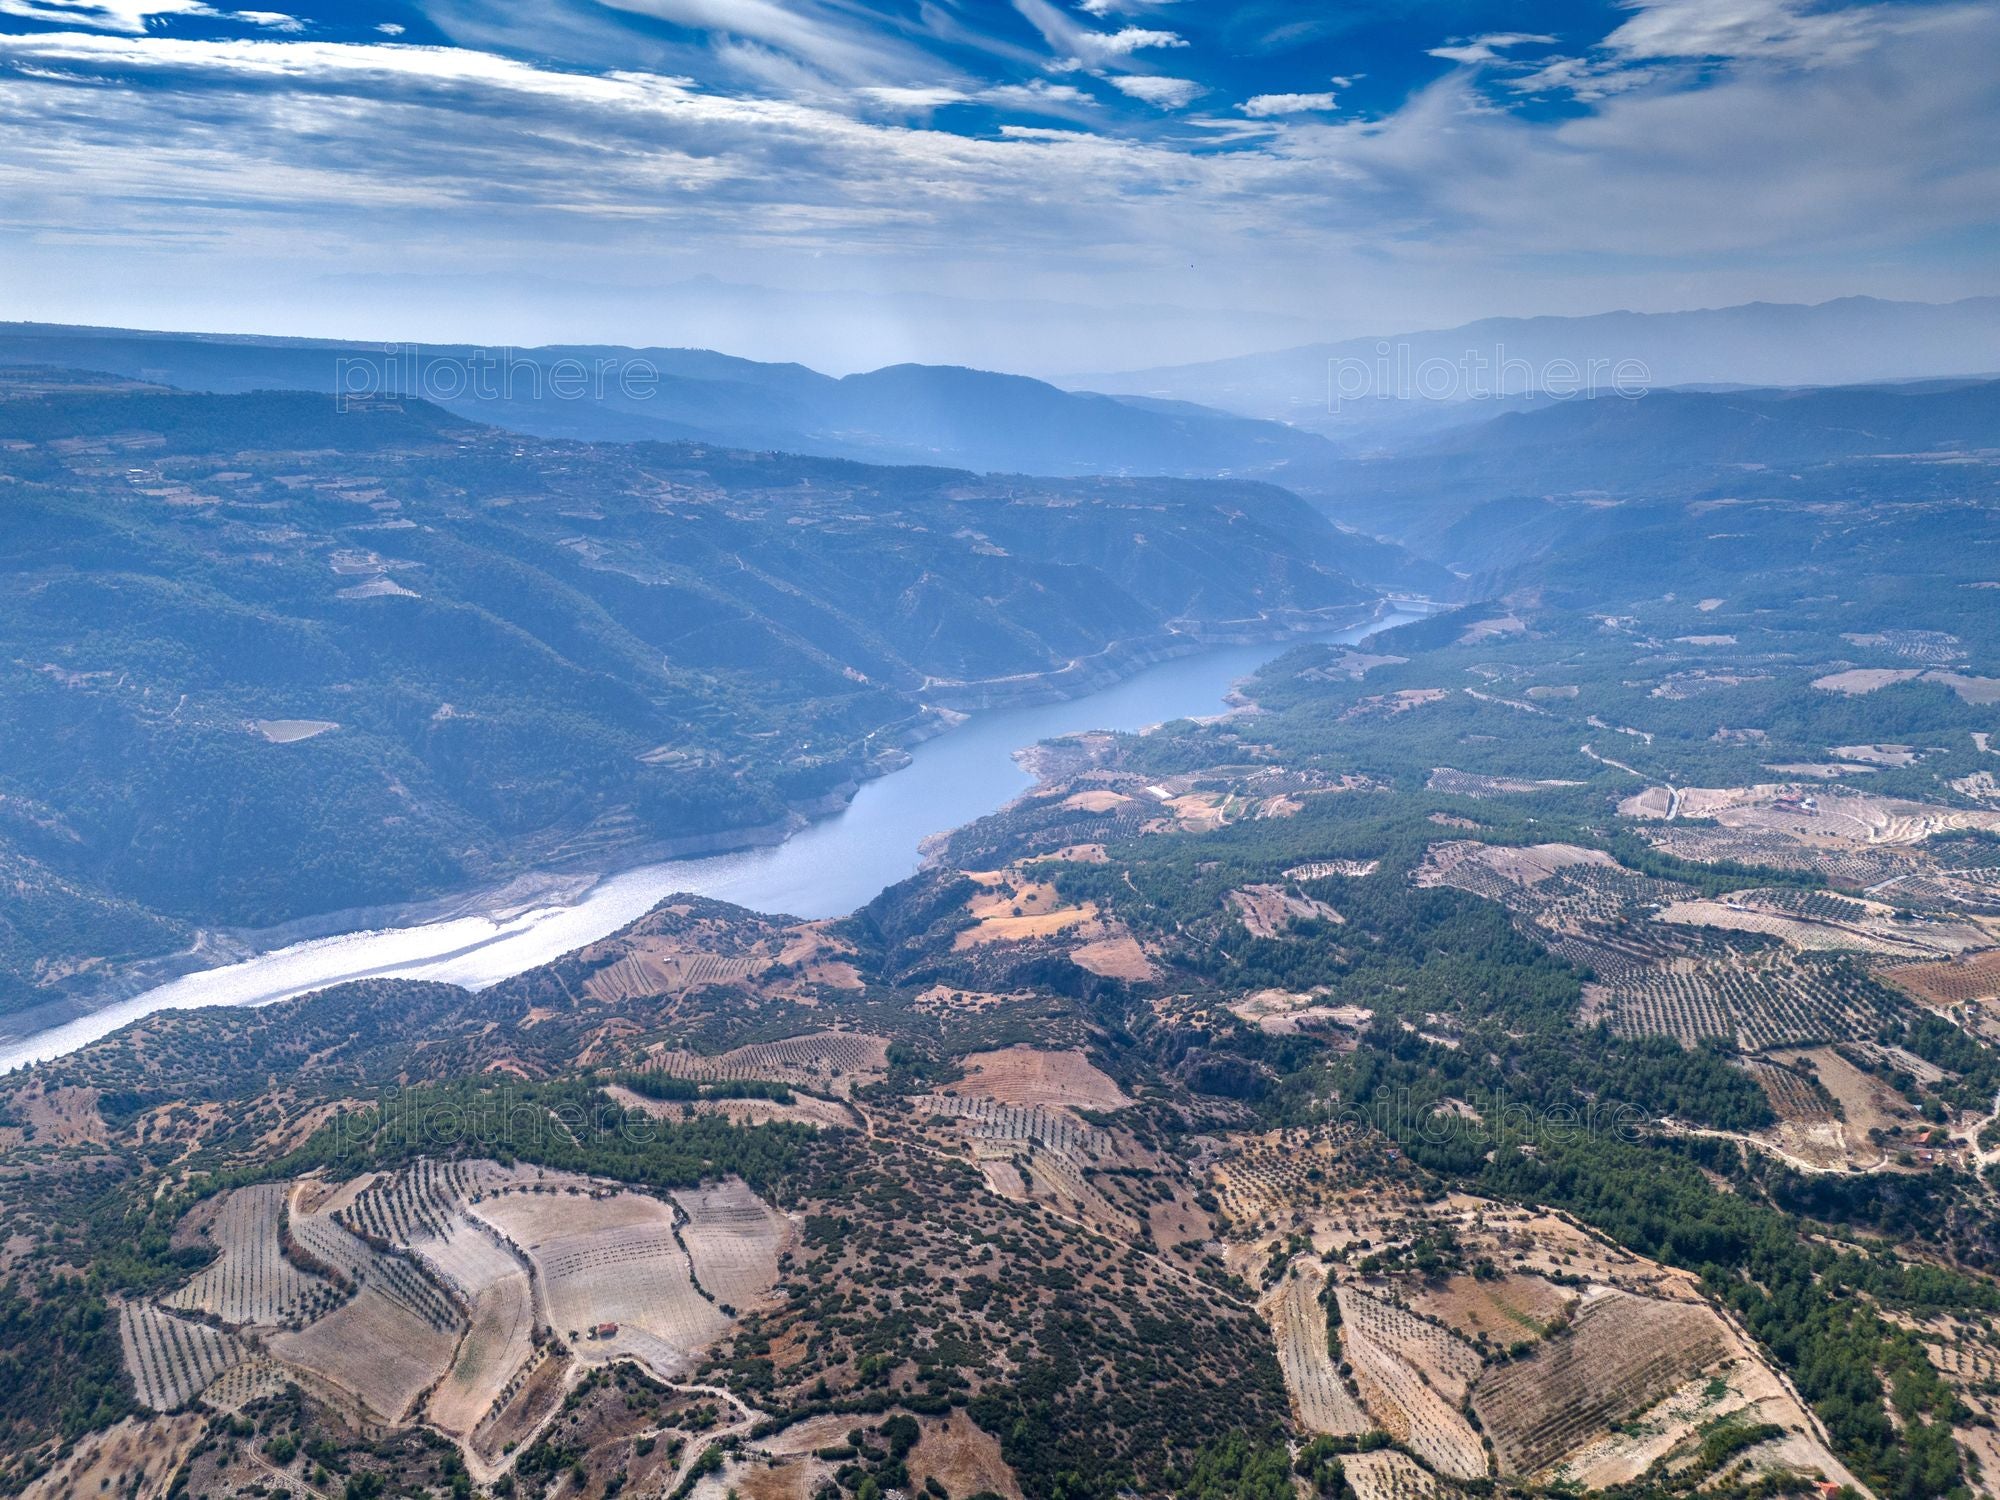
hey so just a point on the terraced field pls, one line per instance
(821, 1062)
(734, 1239)
(172, 1359)
(251, 1283)
(1379, 1340)
(1622, 1353)
(608, 1260)
(1320, 1398)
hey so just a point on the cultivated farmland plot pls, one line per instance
(172, 1359)
(734, 1239)
(1754, 1000)
(616, 1259)
(1403, 1401)
(251, 1283)
(1298, 1322)
(1035, 1076)
(1622, 1354)
(822, 1062)
(1389, 1475)
(374, 1348)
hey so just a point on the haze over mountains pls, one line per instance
(1844, 342)
(902, 414)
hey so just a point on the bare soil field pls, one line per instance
(804, 1109)
(1866, 1103)
(1972, 977)
(1285, 1012)
(1027, 1075)
(373, 1348)
(1505, 1310)
(611, 1260)
(1118, 956)
(961, 1456)
(1320, 1398)
(1010, 908)
(291, 731)
(1268, 911)
(500, 1339)
(734, 1239)
(1878, 755)
(1859, 680)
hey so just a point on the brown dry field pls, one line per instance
(1081, 854)
(1320, 1398)
(1865, 679)
(1024, 1075)
(373, 1348)
(616, 1260)
(961, 1456)
(1943, 985)
(1877, 755)
(1097, 800)
(1268, 910)
(1866, 1103)
(1116, 957)
(734, 1239)
(1010, 909)
(804, 1109)
(1507, 1310)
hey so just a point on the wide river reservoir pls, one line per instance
(826, 870)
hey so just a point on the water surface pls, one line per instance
(827, 870)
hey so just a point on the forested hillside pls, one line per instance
(260, 658)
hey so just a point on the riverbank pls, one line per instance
(826, 867)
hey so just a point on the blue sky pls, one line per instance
(1046, 185)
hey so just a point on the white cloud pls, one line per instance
(1788, 29)
(1078, 46)
(389, 28)
(265, 160)
(1103, 8)
(129, 16)
(1264, 106)
(1162, 93)
(1488, 48)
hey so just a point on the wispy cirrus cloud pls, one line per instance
(1025, 147)
(1489, 48)
(134, 17)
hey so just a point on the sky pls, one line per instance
(1040, 185)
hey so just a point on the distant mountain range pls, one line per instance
(1902, 442)
(948, 415)
(1467, 373)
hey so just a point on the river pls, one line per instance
(826, 870)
